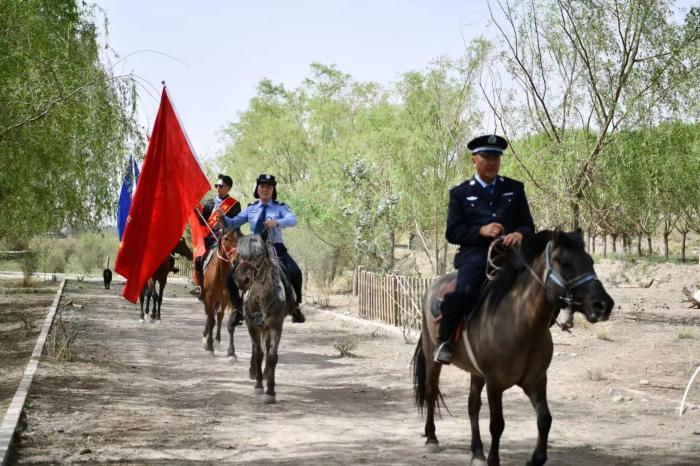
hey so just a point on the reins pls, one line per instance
(567, 286)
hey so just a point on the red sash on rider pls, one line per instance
(214, 217)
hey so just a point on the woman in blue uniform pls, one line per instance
(267, 214)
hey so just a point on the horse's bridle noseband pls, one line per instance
(567, 285)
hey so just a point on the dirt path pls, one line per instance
(148, 394)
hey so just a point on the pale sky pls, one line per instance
(222, 49)
(229, 46)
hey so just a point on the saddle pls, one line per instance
(449, 287)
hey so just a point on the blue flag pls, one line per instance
(128, 187)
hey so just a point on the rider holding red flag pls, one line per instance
(223, 203)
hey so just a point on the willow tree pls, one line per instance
(66, 122)
(598, 67)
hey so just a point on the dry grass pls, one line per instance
(581, 322)
(686, 333)
(595, 374)
(346, 346)
(604, 333)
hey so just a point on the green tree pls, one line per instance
(66, 121)
(598, 67)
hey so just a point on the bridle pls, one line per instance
(227, 255)
(568, 286)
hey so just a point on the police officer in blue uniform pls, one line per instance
(480, 210)
(267, 215)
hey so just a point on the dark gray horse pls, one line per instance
(267, 299)
(508, 341)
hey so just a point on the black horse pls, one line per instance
(160, 276)
(107, 276)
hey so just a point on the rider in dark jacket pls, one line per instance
(480, 210)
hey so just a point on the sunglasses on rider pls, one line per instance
(219, 185)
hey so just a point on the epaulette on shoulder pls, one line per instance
(460, 185)
(279, 203)
(511, 180)
(252, 203)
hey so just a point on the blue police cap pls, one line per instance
(488, 144)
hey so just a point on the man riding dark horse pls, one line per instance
(483, 208)
(222, 205)
(267, 216)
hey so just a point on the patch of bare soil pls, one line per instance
(148, 394)
(22, 312)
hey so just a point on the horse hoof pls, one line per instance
(210, 352)
(259, 391)
(158, 321)
(478, 462)
(270, 399)
(432, 446)
(232, 358)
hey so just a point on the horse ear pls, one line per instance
(555, 235)
(579, 232)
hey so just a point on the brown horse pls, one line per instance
(216, 296)
(268, 298)
(160, 276)
(508, 341)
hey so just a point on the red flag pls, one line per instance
(197, 231)
(171, 184)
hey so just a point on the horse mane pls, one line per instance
(247, 251)
(530, 250)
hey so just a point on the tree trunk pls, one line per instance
(589, 241)
(392, 244)
(666, 235)
(684, 237)
(614, 243)
(650, 251)
(443, 262)
(605, 245)
(639, 245)
(593, 248)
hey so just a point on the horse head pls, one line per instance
(570, 280)
(253, 249)
(182, 249)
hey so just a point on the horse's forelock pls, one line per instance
(251, 247)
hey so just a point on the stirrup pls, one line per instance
(443, 353)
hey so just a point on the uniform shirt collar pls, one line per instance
(483, 183)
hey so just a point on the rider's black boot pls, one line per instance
(452, 311)
(298, 316)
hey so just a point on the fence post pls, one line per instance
(395, 299)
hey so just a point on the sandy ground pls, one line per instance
(148, 394)
(22, 312)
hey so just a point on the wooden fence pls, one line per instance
(391, 298)
(186, 267)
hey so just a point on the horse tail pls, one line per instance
(420, 369)
(420, 377)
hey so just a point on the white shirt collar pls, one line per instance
(482, 182)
